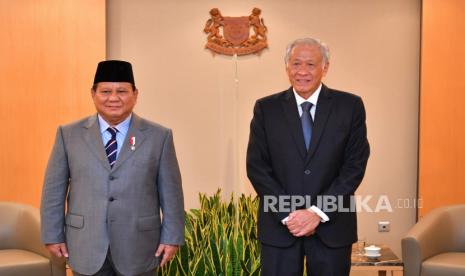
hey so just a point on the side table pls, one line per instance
(388, 264)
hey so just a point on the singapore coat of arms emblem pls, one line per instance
(231, 35)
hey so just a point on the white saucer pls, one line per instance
(373, 255)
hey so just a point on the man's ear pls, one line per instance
(325, 68)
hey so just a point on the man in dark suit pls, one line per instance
(307, 150)
(115, 172)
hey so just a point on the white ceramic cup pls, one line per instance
(372, 250)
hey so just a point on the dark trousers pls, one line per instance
(109, 269)
(320, 259)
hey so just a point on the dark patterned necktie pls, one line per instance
(112, 146)
(307, 123)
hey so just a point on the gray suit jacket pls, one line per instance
(117, 208)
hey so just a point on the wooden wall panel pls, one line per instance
(48, 55)
(442, 104)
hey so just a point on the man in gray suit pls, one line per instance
(113, 173)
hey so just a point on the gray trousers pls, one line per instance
(108, 269)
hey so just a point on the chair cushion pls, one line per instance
(450, 264)
(15, 262)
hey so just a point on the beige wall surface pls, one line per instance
(207, 100)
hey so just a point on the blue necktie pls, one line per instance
(112, 147)
(307, 122)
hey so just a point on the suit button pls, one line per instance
(307, 172)
(112, 177)
(111, 199)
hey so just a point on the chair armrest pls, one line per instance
(29, 239)
(411, 255)
(427, 238)
(28, 232)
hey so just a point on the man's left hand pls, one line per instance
(168, 252)
(303, 222)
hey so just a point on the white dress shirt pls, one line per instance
(313, 99)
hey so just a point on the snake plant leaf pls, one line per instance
(216, 256)
(172, 269)
(256, 271)
(183, 260)
(220, 239)
(247, 257)
(235, 264)
(199, 266)
(196, 213)
(198, 233)
(245, 268)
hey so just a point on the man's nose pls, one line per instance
(113, 96)
(302, 71)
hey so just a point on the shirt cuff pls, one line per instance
(324, 218)
(321, 214)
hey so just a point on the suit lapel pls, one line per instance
(135, 130)
(323, 109)
(291, 113)
(93, 138)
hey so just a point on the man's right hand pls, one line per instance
(58, 249)
(303, 222)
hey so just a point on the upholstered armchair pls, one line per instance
(21, 250)
(435, 246)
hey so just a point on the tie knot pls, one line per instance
(112, 131)
(306, 106)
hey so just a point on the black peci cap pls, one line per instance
(114, 71)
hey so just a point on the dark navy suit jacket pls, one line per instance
(279, 164)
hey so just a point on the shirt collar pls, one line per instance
(313, 98)
(122, 127)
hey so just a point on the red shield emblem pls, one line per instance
(236, 29)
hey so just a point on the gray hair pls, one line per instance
(308, 41)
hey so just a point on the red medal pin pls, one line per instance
(132, 142)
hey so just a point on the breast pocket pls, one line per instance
(145, 162)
